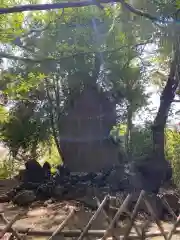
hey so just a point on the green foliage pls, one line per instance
(173, 151)
(142, 145)
(11, 25)
(141, 138)
(177, 4)
(24, 129)
(119, 130)
(5, 170)
(118, 134)
(39, 89)
(64, 54)
(3, 114)
(141, 141)
(50, 153)
(8, 167)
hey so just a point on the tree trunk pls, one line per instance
(128, 132)
(166, 99)
(52, 121)
(168, 93)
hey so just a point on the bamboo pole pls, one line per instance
(48, 233)
(9, 225)
(133, 216)
(173, 228)
(14, 233)
(76, 233)
(129, 216)
(95, 215)
(166, 204)
(62, 225)
(143, 229)
(80, 228)
(116, 217)
(106, 216)
(151, 211)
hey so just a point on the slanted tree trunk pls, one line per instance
(166, 99)
(168, 93)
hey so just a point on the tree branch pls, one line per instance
(39, 60)
(37, 7)
(48, 6)
(138, 12)
(17, 40)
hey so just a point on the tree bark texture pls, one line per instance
(167, 97)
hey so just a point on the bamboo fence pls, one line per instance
(87, 232)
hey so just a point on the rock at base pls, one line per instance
(24, 197)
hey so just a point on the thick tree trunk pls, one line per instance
(166, 99)
(152, 176)
(168, 93)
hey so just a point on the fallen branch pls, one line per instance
(62, 225)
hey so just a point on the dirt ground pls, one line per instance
(42, 217)
(47, 216)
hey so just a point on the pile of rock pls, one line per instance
(38, 184)
(66, 185)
